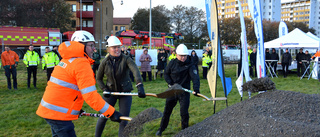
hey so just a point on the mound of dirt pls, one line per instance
(259, 84)
(135, 125)
(273, 113)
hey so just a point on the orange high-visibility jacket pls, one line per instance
(9, 58)
(72, 81)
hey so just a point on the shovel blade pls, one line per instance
(172, 91)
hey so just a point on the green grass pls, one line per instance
(18, 107)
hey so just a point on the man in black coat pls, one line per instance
(286, 62)
(180, 71)
(253, 62)
(299, 59)
(274, 56)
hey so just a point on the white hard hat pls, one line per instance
(82, 36)
(182, 50)
(113, 41)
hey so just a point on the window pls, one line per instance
(74, 8)
(87, 7)
(106, 11)
(269, 13)
(122, 28)
(87, 23)
(73, 23)
(116, 28)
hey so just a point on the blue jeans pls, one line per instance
(61, 128)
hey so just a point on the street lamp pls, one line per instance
(150, 19)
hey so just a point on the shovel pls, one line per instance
(179, 87)
(100, 115)
(170, 92)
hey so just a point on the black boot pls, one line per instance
(159, 133)
(161, 75)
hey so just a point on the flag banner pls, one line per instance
(255, 10)
(283, 29)
(217, 60)
(244, 61)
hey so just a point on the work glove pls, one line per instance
(196, 93)
(141, 93)
(116, 116)
(81, 111)
(106, 95)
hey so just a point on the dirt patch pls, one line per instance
(273, 113)
(259, 84)
(136, 124)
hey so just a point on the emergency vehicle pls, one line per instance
(20, 38)
(160, 40)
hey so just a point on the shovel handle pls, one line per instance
(128, 94)
(100, 115)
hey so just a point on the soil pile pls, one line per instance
(273, 113)
(135, 125)
(259, 84)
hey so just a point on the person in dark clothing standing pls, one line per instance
(307, 57)
(162, 59)
(299, 59)
(274, 56)
(286, 62)
(32, 60)
(96, 57)
(180, 71)
(253, 61)
(194, 59)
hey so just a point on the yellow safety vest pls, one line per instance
(50, 60)
(205, 60)
(172, 56)
(31, 58)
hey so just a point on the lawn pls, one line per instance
(18, 107)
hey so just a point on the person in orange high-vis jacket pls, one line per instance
(10, 61)
(71, 83)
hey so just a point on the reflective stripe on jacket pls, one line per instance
(50, 60)
(205, 60)
(31, 58)
(172, 56)
(72, 81)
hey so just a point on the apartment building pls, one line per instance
(121, 24)
(95, 16)
(305, 11)
(229, 8)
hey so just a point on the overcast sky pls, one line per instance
(130, 7)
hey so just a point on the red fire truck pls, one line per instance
(20, 38)
(160, 40)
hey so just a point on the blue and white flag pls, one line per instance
(255, 9)
(283, 29)
(244, 61)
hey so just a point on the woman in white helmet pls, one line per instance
(180, 71)
(116, 67)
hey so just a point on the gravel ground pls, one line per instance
(273, 113)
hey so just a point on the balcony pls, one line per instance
(85, 14)
(90, 29)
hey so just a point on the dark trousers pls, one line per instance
(285, 69)
(184, 101)
(253, 70)
(124, 109)
(33, 70)
(299, 69)
(204, 72)
(49, 71)
(61, 128)
(144, 75)
(12, 71)
(274, 66)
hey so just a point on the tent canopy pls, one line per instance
(294, 39)
(313, 36)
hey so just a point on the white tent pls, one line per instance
(313, 36)
(294, 39)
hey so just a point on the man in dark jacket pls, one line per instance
(286, 61)
(299, 59)
(307, 57)
(180, 71)
(274, 56)
(96, 57)
(253, 60)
